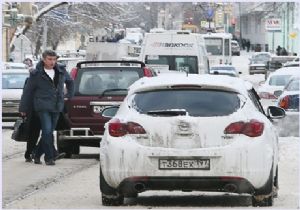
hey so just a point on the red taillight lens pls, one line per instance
(73, 73)
(266, 95)
(253, 128)
(147, 72)
(284, 102)
(118, 129)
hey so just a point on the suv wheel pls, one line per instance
(67, 148)
(110, 196)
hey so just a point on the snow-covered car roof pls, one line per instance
(16, 71)
(208, 81)
(287, 70)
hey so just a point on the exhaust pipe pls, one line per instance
(139, 187)
(230, 188)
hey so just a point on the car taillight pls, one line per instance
(147, 72)
(266, 95)
(253, 128)
(118, 129)
(73, 73)
(284, 102)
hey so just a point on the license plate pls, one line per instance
(186, 164)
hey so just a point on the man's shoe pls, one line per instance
(60, 156)
(37, 160)
(50, 163)
(28, 160)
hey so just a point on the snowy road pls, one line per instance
(74, 183)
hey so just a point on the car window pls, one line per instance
(204, 103)
(13, 81)
(179, 63)
(228, 68)
(279, 80)
(94, 82)
(293, 85)
(214, 46)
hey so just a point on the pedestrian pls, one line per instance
(45, 89)
(248, 44)
(284, 52)
(278, 50)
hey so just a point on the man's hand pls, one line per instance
(23, 114)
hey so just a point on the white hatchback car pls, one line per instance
(190, 132)
(274, 85)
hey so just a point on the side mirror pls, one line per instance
(277, 93)
(275, 112)
(240, 72)
(110, 112)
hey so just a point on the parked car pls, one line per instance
(276, 62)
(12, 65)
(270, 89)
(289, 101)
(295, 62)
(171, 145)
(224, 70)
(12, 88)
(97, 85)
(258, 63)
(235, 48)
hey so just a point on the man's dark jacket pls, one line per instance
(47, 95)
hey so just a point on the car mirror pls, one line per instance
(277, 93)
(275, 112)
(240, 72)
(110, 111)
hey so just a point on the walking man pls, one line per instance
(45, 87)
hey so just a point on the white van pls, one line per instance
(175, 50)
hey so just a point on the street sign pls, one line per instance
(273, 24)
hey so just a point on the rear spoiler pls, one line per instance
(110, 61)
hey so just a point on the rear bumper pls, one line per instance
(133, 185)
(257, 71)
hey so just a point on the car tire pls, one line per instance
(276, 184)
(265, 199)
(238, 54)
(109, 195)
(67, 148)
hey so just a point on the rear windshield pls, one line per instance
(293, 85)
(178, 63)
(96, 81)
(279, 80)
(13, 81)
(204, 103)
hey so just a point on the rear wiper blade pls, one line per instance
(113, 90)
(168, 112)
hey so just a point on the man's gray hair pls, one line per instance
(49, 53)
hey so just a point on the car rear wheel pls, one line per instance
(265, 196)
(110, 196)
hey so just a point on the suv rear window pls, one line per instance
(204, 103)
(96, 81)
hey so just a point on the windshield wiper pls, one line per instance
(168, 112)
(112, 90)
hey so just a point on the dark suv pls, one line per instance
(98, 84)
